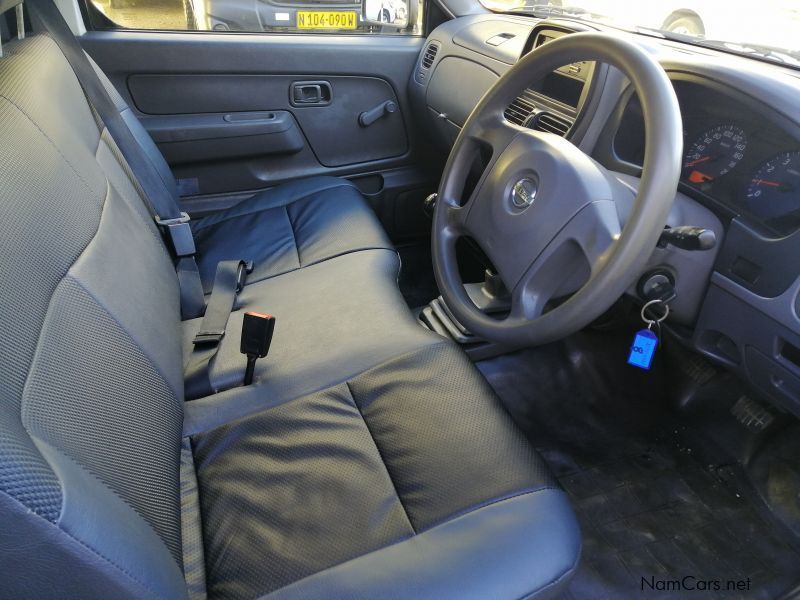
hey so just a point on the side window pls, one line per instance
(403, 17)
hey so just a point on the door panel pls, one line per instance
(195, 138)
(331, 125)
(223, 110)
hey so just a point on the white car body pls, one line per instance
(386, 11)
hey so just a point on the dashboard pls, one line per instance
(738, 304)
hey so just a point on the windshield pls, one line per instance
(769, 29)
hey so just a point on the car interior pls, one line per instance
(505, 306)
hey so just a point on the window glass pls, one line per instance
(402, 17)
(768, 29)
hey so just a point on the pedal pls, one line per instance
(697, 368)
(752, 415)
(428, 319)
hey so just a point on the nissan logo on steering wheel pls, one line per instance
(524, 192)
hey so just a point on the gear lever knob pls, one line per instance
(429, 204)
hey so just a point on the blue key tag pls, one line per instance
(645, 341)
(643, 349)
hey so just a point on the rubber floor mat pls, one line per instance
(656, 522)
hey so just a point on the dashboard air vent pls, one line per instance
(521, 109)
(551, 123)
(430, 55)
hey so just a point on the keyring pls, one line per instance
(651, 322)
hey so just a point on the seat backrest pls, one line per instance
(90, 360)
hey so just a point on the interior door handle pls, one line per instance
(310, 93)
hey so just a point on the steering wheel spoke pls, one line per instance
(595, 229)
(529, 299)
(574, 255)
(495, 131)
(454, 216)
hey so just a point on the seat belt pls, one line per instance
(229, 280)
(163, 206)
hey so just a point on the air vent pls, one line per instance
(551, 123)
(521, 109)
(429, 56)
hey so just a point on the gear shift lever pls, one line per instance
(429, 204)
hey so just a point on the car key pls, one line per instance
(645, 342)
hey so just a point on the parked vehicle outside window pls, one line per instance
(769, 30)
(402, 17)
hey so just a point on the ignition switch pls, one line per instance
(658, 284)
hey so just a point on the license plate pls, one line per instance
(317, 19)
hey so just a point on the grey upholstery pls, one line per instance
(334, 320)
(368, 459)
(289, 227)
(81, 267)
(524, 546)
(391, 454)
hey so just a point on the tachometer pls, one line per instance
(714, 154)
(774, 189)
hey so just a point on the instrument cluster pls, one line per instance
(734, 154)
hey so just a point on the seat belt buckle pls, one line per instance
(257, 330)
(179, 233)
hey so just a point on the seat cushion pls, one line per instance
(324, 334)
(289, 227)
(411, 458)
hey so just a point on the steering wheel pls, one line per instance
(544, 212)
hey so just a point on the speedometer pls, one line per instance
(714, 154)
(773, 188)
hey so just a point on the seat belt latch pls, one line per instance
(179, 233)
(257, 329)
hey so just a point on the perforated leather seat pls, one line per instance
(336, 319)
(391, 471)
(290, 227)
(407, 480)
